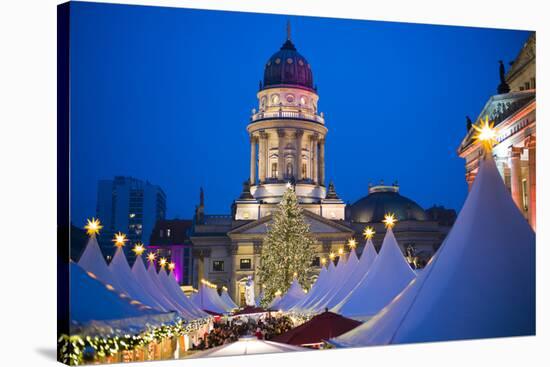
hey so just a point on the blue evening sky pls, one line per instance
(165, 95)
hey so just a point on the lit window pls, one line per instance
(217, 265)
(168, 232)
(273, 170)
(246, 215)
(246, 264)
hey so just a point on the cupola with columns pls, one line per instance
(287, 133)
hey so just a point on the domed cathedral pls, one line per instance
(287, 135)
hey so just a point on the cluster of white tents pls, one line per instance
(480, 283)
(101, 290)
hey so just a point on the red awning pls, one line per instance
(321, 327)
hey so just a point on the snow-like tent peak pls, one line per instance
(294, 294)
(92, 261)
(479, 284)
(388, 276)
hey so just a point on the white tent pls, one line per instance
(162, 292)
(318, 289)
(207, 299)
(147, 285)
(336, 281)
(121, 271)
(274, 301)
(177, 296)
(388, 276)
(480, 283)
(97, 307)
(173, 284)
(294, 295)
(92, 260)
(247, 346)
(227, 300)
(356, 274)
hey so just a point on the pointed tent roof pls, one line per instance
(336, 281)
(388, 276)
(177, 296)
(227, 300)
(479, 284)
(153, 275)
(92, 260)
(318, 289)
(274, 302)
(321, 327)
(349, 269)
(207, 299)
(294, 295)
(98, 307)
(146, 283)
(173, 285)
(121, 271)
(356, 274)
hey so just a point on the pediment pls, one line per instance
(317, 224)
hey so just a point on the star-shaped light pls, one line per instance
(288, 185)
(151, 256)
(295, 274)
(332, 255)
(389, 220)
(138, 249)
(93, 226)
(352, 243)
(368, 233)
(485, 132)
(119, 239)
(162, 262)
(341, 251)
(171, 266)
(323, 261)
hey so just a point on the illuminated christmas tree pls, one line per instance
(287, 251)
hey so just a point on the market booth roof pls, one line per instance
(479, 284)
(246, 346)
(321, 327)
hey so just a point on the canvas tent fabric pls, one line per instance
(98, 308)
(336, 281)
(338, 292)
(388, 276)
(479, 284)
(92, 260)
(177, 296)
(228, 301)
(174, 286)
(162, 292)
(294, 295)
(321, 327)
(147, 285)
(123, 273)
(207, 299)
(356, 274)
(248, 346)
(274, 302)
(316, 290)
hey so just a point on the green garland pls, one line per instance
(71, 348)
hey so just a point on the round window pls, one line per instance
(289, 98)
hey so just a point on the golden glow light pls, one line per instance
(352, 243)
(120, 239)
(151, 256)
(138, 249)
(332, 255)
(162, 262)
(171, 266)
(323, 261)
(485, 132)
(340, 251)
(368, 233)
(389, 220)
(278, 293)
(295, 274)
(92, 227)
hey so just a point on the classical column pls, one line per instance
(515, 176)
(252, 160)
(281, 155)
(322, 162)
(298, 156)
(262, 159)
(532, 148)
(315, 163)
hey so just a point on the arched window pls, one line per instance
(304, 170)
(273, 169)
(289, 169)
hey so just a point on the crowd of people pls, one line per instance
(230, 331)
